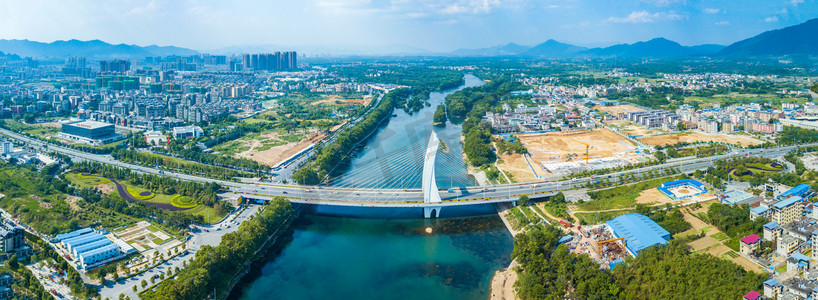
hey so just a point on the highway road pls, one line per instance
(404, 198)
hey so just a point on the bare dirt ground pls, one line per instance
(636, 130)
(653, 196)
(274, 155)
(695, 136)
(335, 99)
(516, 165)
(617, 109)
(72, 203)
(502, 284)
(718, 250)
(702, 243)
(747, 264)
(105, 189)
(558, 146)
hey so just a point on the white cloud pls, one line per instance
(796, 2)
(453, 9)
(723, 23)
(772, 19)
(646, 17)
(711, 10)
(663, 2)
(467, 6)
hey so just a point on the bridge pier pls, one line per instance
(431, 212)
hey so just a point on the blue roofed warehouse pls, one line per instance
(639, 232)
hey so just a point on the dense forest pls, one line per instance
(792, 135)
(215, 269)
(549, 271)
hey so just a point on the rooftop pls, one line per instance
(787, 202)
(799, 256)
(796, 191)
(736, 196)
(771, 225)
(88, 124)
(750, 239)
(639, 231)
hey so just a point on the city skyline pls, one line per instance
(396, 26)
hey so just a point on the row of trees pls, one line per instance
(153, 160)
(214, 269)
(550, 271)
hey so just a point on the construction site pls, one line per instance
(608, 244)
(597, 242)
(562, 153)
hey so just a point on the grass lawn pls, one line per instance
(601, 217)
(720, 236)
(529, 214)
(209, 213)
(620, 197)
(85, 181)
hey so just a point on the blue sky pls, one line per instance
(436, 25)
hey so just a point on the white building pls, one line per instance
(6, 147)
(189, 132)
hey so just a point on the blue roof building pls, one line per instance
(787, 202)
(771, 225)
(639, 232)
(759, 210)
(90, 246)
(89, 258)
(88, 238)
(802, 190)
(72, 234)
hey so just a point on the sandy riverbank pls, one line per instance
(502, 283)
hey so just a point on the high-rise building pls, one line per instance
(75, 62)
(278, 61)
(114, 66)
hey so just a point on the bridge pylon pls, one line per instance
(431, 194)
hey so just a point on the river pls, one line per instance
(393, 156)
(388, 253)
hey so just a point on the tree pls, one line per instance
(681, 126)
(440, 115)
(12, 263)
(660, 156)
(306, 176)
(523, 200)
(558, 198)
(144, 283)
(134, 288)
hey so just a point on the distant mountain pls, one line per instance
(500, 50)
(94, 48)
(9, 56)
(553, 49)
(655, 48)
(798, 39)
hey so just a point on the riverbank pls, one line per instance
(502, 283)
(472, 171)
